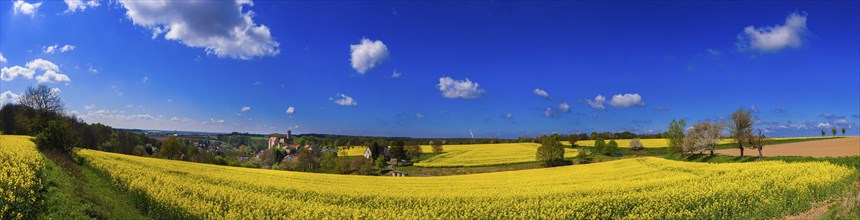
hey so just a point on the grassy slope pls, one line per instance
(81, 192)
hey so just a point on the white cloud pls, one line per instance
(344, 100)
(220, 27)
(597, 103)
(174, 118)
(453, 89)
(540, 92)
(67, 48)
(246, 108)
(626, 100)
(395, 74)
(75, 5)
(216, 120)
(49, 49)
(52, 77)
(55, 91)
(89, 107)
(10, 73)
(419, 115)
(145, 79)
(508, 115)
(57, 48)
(8, 97)
(291, 110)
(775, 38)
(92, 70)
(2, 59)
(823, 125)
(367, 54)
(840, 122)
(564, 107)
(20, 6)
(40, 64)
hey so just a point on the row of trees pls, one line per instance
(833, 131)
(40, 113)
(705, 136)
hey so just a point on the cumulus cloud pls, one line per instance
(597, 103)
(291, 110)
(8, 97)
(453, 89)
(75, 5)
(10, 73)
(540, 92)
(564, 107)
(548, 113)
(344, 100)
(52, 77)
(367, 54)
(220, 27)
(626, 100)
(40, 64)
(774, 38)
(2, 59)
(395, 74)
(246, 109)
(823, 125)
(22, 7)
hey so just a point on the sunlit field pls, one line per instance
(468, 155)
(20, 165)
(641, 188)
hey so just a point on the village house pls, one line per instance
(384, 150)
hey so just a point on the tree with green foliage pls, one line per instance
(599, 146)
(676, 135)
(573, 138)
(398, 150)
(833, 130)
(843, 131)
(171, 148)
(328, 162)
(362, 166)
(740, 128)
(380, 164)
(823, 133)
(57, 136)
(551, 151)
(611, 148)
(413, 151)
(583, 155)
(437, 146)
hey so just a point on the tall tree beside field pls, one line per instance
(740, 128)
(823, 133)
(57, 136)
(611, 148)
(676, 135)
(573, 138)
(437, 146)
(328, 162)
(551, 151)
(42, 98)
(758, 142)
(599, 145)
(843, 131)
(833, 130)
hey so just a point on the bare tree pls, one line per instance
(740, 128)
(42, 99)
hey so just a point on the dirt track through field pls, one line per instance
(849, 146)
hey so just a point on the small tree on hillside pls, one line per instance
(740, 128)
(573, 138)
(843, 131)
(833, 130)
(551, 152)
(823, 133)
(636, 144)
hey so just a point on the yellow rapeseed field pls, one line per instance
(20, 165)
(639, 188)
(470, 155)
(663, 142)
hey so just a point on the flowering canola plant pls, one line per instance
(638, 188)
(20, 167)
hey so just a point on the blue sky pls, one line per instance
(499, 69)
